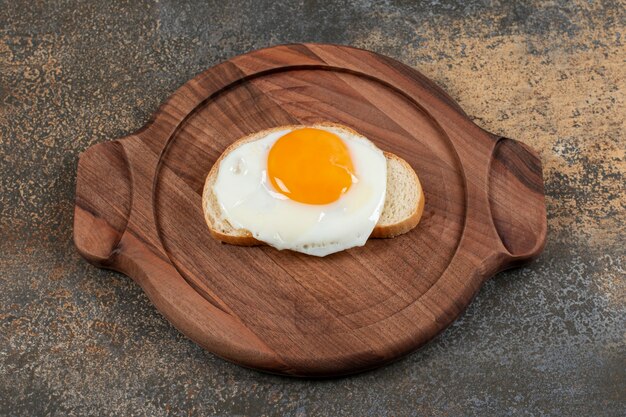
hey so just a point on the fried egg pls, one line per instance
(315, 190)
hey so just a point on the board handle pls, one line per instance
(517, 201)
(103, 202)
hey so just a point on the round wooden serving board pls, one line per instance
(138, 211)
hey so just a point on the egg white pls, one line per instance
(249, 201)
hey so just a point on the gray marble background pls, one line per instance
(548, 339)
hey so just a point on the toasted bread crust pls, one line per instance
(393, 230)
(245, 238)
(236, 240)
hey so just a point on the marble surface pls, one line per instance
(548, 339)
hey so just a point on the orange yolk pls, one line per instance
(311, 166)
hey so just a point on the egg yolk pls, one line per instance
(311, 166)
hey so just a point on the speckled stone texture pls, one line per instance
(548, 339)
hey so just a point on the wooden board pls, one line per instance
(138, 211)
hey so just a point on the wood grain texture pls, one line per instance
(138, 211)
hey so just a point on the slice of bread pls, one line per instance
(404, 202)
